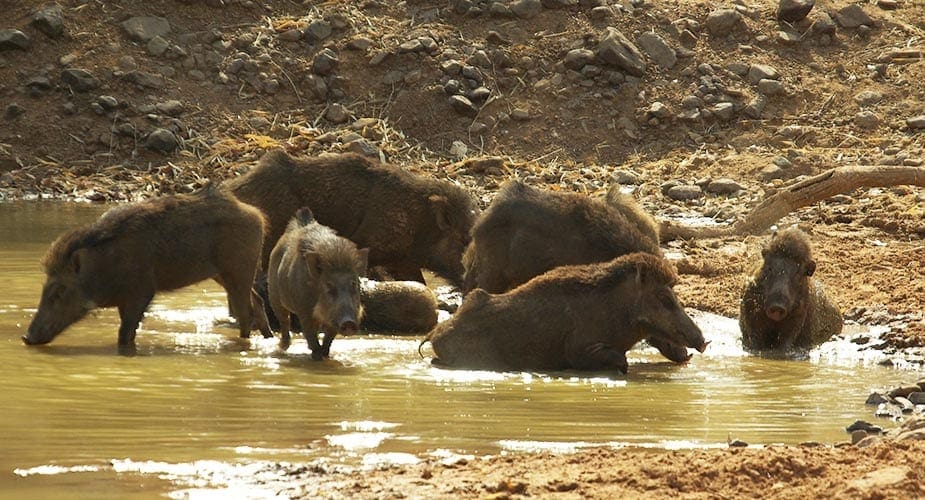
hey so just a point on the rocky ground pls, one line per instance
(702, 108)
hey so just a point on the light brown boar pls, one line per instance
(134, 251)
(573, 317)
(398, 306)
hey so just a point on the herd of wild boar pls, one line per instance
(552, 280)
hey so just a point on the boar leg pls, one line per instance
(310, 332)
(130, 315)
(284, 326)
(600, 356)
(328, 340)
(260, 314)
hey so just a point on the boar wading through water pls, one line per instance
(407, 222)
(782, 306)
(573, 317)
(315, 274)
(134, 251)
(398, 306)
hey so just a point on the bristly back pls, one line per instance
(588, 277)
(791, 243)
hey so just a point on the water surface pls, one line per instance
(198, 408)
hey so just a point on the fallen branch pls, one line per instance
(806, 192)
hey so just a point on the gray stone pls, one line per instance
(617, 50)
(685, 192)
(324, 62)
(411, 46)
(360, 43)
(791, 11)
(917, 398)
(172, 107)
(157, 46)
(867, 120)
(600, 13)
(758, 72)
(789, 37)
(49, 21)
(771, 172)
(876, 398)
(691, 102)
(79, 80)
(558, 4)
(14, 40)
(658, 110)
(394, 76)
(905, 405)
(363, 147)
(108, 102)
(770, 87)
(858, 435)
(852, 16)
(144, 79)
(721, 22)
(451, 67)
(755, 107)
(144, 28)
(463, 105)
(521, 114)
(38, 84)
(824, 25)
(724, 111)
(916, 122)
(868, 441)
(290, 35)
(479, 94)
(526, 9)
(625, 177)
(162, 140)
(864, 426)
(868, 98)
(337, 113)
(723, 185)
(13, 110)
(318, 30)
(577, 58)
(903, 391)
(657, 49)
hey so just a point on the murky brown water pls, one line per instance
(197, 408)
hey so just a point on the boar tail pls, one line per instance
(426, 340)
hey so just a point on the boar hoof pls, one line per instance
(317, 355)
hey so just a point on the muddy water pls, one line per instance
(197, 408)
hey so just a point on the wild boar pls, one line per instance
(398, 306)
(134, 251)
(315, 274)
(407, 221)
(581, 317)
(782, 306)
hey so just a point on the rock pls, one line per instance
(903, 391)
(758, 72)
(789, 37)
(37, 85)
(791, 11)
(917, 398)
(868, 441)
(79, 80)
(459, 149)
(577, 58)
(876, 398)
(363, 147)
(723, 185)
(410, 46)
(172, 107)
(724, 111)
(526, 9)
(318, 30)
(144, 28)
(521, 114)
(290, 35)
(721, 22)
(770, 87)
(625, 177)
(108, 102)
(144, 79)
(824, 25)
(905, 405)
(858, 435)
(872, 484)
(49, 21)
(864, 426)
(13, 110)
(14, 40)
(463, 105)
(657, 49)
(888, 4)
(852, 16)
(324, 62)
(685, 192)
(914, 435)
(868, 98)
(479, 94)
(738, 443)
(157, 46)
(658, 110)
(337, 113)
(162, 140)
(771, 172)
(867, 120)
(916, 122)
(617, 50)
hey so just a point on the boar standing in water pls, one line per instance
(315, 274)
(132, 252)
(782, 306)
(574, 317)
(398, 306)
(407, 222)
(527, 231)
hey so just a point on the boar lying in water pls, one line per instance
(407, 222)
(782, 306)
(132, 252)
(315, 274)
(527, 231)
(574, 317)
(398, 306)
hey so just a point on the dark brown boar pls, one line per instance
(398, 306)
(526, 232)
(132, 252)
(782, 306)
(573, 317)
(408, 222)
(315, 274)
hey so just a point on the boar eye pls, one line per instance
(667, 300)
(332, 290)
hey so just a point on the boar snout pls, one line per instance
(348, 326)
(775, 312)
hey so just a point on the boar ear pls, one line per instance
(439, 206)
(638, 274)
(810, 267)
(76, 258)
(313, 259)
(362, 261)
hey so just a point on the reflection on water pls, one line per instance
(198, 408)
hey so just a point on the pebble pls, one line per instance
(318, 30)
(771, 172)
(917, 397)
(144, 79)
(79, 80)
(337, 113)
(479, 94)
(721, 22)
(526, 9)
(852, 16)
(157, 46)
(876, 398)
(360, 43)
(107, 102)
(864, 426)
(867, 120)
(463, 105)
(363, 147)
(144, 28)
(916, 122)
(868, 98)
(13, 110)
(617, 50)
(723, 185)
(625, 177)
(172, 107)
(724, 111)
(758, 72)
(324, 62)
(521, 114)
(38, 84)
(791, 11)
(685, 192)
(163, 140)
(858, 435)
(49, 21)
(824, 24)
(657, 49)
(14, 40)
(577, 58)
(903, 391)
(770, 87)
